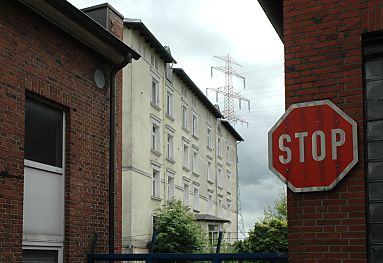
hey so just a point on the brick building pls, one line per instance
(333, 50)
(56, 69)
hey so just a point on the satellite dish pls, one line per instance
(99, 78)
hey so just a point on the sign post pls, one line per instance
(313, 146)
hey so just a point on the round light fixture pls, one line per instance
(99, 78)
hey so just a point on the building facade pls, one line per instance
(56, 72)
(175, 145)
(333, 50)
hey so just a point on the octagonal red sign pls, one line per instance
(313, 146)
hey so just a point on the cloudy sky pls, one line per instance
(198, 30)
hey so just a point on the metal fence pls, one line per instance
(172, 257)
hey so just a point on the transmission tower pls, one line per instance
(228, 90)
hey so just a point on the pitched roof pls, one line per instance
(210, 218)
(73, 21)
(232, 130)
(274, 11)
(193, 87)
(138, 25)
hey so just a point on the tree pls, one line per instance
(176, 230)
(270, 232)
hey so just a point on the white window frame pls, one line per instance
(171, 185)
(219, 177)
(195, 161)
(219, 146)
(196, 199)
(155, 142)
(185, 156)
(170, 146)
(186, 197)
(185, 116)
(228, 153)
(209, 137)
(228, 181)
(169, 102)
(156, 182)
(195, 125)
(210, 176)
(155, 92)
(210, 204)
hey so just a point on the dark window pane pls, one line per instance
(376, 254)
(375, 171)
(375, 191)
(374, 69)
(43, 133)
(374, 89)
(374, 110)
(376, 213)
(375, 130)
(376, 233)
(39, 256)
(375, 150)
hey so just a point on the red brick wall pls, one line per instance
(323, 60)
(37, 57)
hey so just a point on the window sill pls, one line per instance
(210, 181)
(228, 163)
(157, 107)
(196, 211)
(219, 157)
(44, 167)
(220, 187)
(156, 152)
(170, 160)
(156, 198)
(170, 117)
(195, 174)
(185, 129)
(228, 191)
(195, 137)
(209, 148)
(186, 169)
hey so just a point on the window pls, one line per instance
(228, 182)
(155, 99)
(186, 194)
(196, 199)
(213, 234)
(209, 137)
(185, 162)
(219, 151)
(170, 185)
(155, 137)
(210, 204)
(219, 207)
(37, 255)
(184, 117)
(195, 162)
(170, 147)
(156, 183)
(195, 125)
(43, 133)
(209, 171)
(373, 123)
(169, 103)
(154, 61)
(228, 153)
(219, 177)
(228, 216)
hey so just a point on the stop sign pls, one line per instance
(313, 146)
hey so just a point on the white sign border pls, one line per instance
(342, 174)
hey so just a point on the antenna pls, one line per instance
(228, 90)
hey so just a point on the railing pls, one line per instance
(214, 258)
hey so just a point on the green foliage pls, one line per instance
(177, 231)
(269, 233)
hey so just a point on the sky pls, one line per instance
(198, 30)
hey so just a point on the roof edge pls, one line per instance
(232, 130)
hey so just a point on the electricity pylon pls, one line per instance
(228, 90)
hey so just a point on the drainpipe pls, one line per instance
(112, 142)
